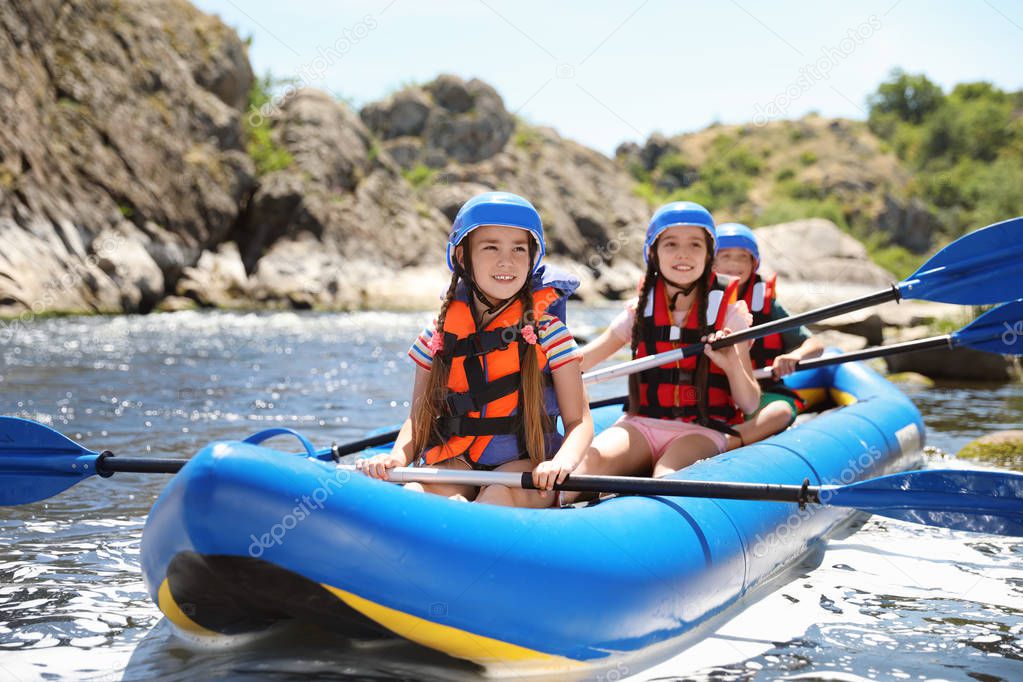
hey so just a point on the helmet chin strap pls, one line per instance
(490, 308)
(682, 291)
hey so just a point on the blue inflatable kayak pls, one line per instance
(245, 537)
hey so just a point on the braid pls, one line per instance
(646, 288)
(429, 406)
(702, 374)
(532, 406)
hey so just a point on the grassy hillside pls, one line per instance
(926, 167)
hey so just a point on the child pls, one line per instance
(498, 368)
(739, 256)
(679, 412)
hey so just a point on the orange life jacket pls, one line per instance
(669, 391)
(483, 416)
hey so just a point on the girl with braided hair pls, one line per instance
(498, 367)
(679, 412)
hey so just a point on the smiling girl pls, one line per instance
(679, 412)
(738, 255)
(498, 366)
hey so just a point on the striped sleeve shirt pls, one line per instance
(553, 336)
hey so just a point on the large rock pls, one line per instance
(332, 230)
(461, 121)
(218, 279)
(1004, 449)
(592, 217)
(909, 224)
(120, 120)
(816, 250)
(942, 363)
(299, 273)
(401, 115)
(961, 363)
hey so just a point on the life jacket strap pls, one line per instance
(449, 427)
(480, 343)
(664, 375)
(475, 398)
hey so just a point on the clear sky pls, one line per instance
(603, 72)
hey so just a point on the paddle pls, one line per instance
(37, 462)
(978, 501)
(980, 268)
(999, 330)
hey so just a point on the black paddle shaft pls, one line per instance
(108, 465)
(944, 342)
(801, 494)
(809, 317)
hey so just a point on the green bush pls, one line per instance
(965, 149)
(896, 260)
(785, 210)
(910, 98)
(419, 176)
(267, 155)
(675, 166)
(801, 190)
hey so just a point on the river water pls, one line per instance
(891, 601)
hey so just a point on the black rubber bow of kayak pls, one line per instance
(983, 267)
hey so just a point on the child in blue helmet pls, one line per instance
(739, 256)
(498, 367)
(679, 412)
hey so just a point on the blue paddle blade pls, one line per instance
(37, 462)
(980, 268)
(999, 330)
(975, 501)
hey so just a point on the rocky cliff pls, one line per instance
(125, 181)
(121, 150)
(130, 178)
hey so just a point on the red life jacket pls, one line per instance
(483, 415)
(760, 296)
(669, 391)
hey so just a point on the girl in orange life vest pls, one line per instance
(739, 256)
(497, 368)
(678, 412)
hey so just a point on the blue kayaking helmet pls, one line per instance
(678, 213)
(496, 208)
(738, 236)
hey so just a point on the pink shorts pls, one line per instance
(661, 433)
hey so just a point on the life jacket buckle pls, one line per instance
(461, 403)
(451, 426)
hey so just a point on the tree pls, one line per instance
(910, 98)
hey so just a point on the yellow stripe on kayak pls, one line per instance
(170, 608)
(841, 398)
(812, 396)
(452, 641)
